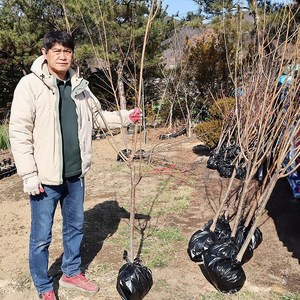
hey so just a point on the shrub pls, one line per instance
(209, 132)
(221, 108)
(4, 140)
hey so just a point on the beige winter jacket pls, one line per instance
(34, 128)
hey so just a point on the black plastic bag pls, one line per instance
(134, 280)
(225, 273)
(240, 173)
(138, 154)
(222, 230)
(241, 236)
(203, 238)
(221, 250)
(256, 239)
(242, 233)
(261, 172)
(124, 153)
(212, 162)
(199, 242)
(225, 169)
(232, 151)
(172, 135)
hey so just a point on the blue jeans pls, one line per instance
(43, 206)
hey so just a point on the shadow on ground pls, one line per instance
(285, 212)
(101, 222)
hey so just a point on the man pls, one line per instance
(50, 133)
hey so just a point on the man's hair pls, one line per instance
(60, 37)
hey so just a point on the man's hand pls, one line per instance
(135, 115)
(32, 185)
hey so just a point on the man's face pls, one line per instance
(59, 60)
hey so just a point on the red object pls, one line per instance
(135, 116)
(48, 296)
(78, 282)
(164, 170)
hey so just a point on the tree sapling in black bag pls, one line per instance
(134, 280)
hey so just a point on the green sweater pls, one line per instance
(69, 130)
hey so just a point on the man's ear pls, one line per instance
(44, 52)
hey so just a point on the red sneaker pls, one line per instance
(78, 282)
(47, 296)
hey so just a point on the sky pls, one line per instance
(183, 6)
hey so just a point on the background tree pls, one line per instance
(23, 24)
(113, 42)
(108, 35)
(212, 8)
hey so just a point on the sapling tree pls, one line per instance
(267, 122)
(129, 54)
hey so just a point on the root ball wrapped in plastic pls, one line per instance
(222, 230)
(225, 169)
(232, 151)
(203, 238)
(212, 162)
(134, 280)
(256, 239)
(241, 236)
(199, 242)
(124, 154)
(225, 273)
(241, 173)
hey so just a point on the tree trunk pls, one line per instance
(171, 115)
(188, 118)
(120, 85)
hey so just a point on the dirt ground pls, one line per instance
(274, 269)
